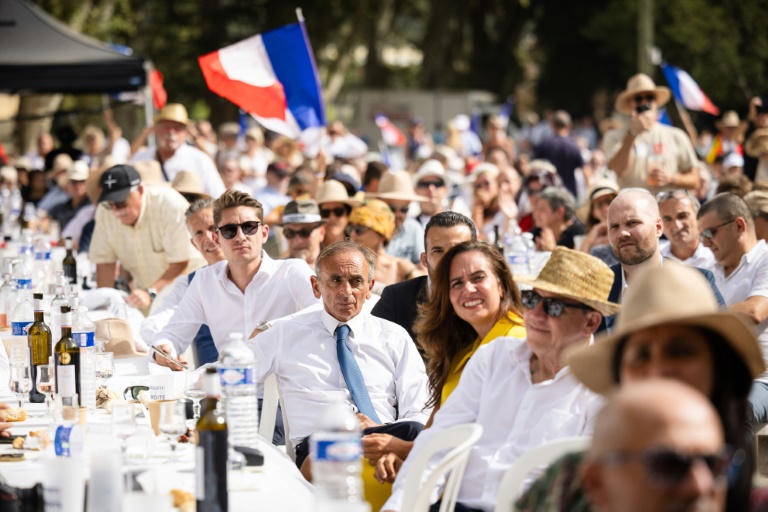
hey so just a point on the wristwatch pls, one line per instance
(152, 293)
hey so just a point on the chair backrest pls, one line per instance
(269, 407)
(512, 483)
(457, 441)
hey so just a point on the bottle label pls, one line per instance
(42, 256)
(24, 284)
(66, 320)
(65, 376)
(68, 440)
(236, 376)
(332, 450)
(200, 473)
(20, 328)
(38, 306)
(84, 339)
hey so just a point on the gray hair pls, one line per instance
(558, 197)
(347, 246)
(196, 206)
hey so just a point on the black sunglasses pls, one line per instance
(552, 307)
(668, 468)
(357, 229)
(425, 184)
(402, 209)
(229, 231)
(710, 233)
(133, 392)
(645, 98)
(290, 234)
(338, 212)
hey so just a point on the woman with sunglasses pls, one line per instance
(670, 327)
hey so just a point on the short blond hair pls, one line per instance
(232, 199)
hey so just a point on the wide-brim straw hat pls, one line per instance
(638, 84)
(397, 186)
(188, 182)
(175, 112)
(597, 188)
(729, 120)
(332, 191)
(757, 144)
(672, 294)
(577, 275)
(119, 339)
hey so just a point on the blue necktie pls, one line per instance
(352, 374)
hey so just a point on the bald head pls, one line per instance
(638, 199)
(634, 226)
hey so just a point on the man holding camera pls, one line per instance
(649, 154)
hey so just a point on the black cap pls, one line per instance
(116, 183)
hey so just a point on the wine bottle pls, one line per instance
(67, 357)
(211, 450)
(39, 339)
(69, 263)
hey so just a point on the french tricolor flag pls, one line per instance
(687, 91)
(273, 77)
(389, 132)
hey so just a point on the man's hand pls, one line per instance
(376, 445)
(365, 421)
(139, 299)
(164, 362)
(660, 176)
(641, 122)
(387, 468)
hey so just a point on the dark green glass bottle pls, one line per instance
(67, 358)
(211, 450)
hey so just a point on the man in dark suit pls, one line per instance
(399, 301)
(634, 229)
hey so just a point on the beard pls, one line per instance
(634, 254)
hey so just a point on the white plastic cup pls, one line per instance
(64, 484)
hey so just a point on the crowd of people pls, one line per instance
(390, 288)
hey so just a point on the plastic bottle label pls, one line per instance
(20, 328)
(68, 440)
(236, 376)
(518, 259)
(347, 450)
(85, 339)
(42, 256)
(24, 284)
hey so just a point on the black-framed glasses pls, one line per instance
(645, 98)
(111, 206)
(229, 231)
(401, 209)
(425, 184)
(357, 229)
(552, 307)
(132, 392)
(710, 233)
(290, 233)
(668, 468)
(338, 212)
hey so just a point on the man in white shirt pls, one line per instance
(175, 155)
(727, 228)
(314, 354)
(240, 293)
(678, 209)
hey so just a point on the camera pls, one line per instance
(643, 108)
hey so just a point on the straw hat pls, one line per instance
(150, 171)
(578, 276)
(757, 144)
(375, 214)
(729, 120)
(670, 294)
(188, 183)
(175, 112)
(120, 338)
(396, 185)
(333, 191)
(640, 83)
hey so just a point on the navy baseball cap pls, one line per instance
(116, 183)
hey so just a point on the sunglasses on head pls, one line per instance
(401, 209)
(229, 231)
(338, 212)
(645, 98)
(552, 307)
(710, 233)
(425, 184)
(357, 229)
(290, 233)
(115, 206)
(668, 468)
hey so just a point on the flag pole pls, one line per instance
(300, 15)
(687, 123)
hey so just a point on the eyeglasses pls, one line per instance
(710, 233)
(290, 234)
(425, 184)
(401, 209)
(229, 231)
(552, 307)
(482, 184)
(357, 229)
(133, 392)
(115, 206)
(645, 98)
(338, 212)
(668, 468)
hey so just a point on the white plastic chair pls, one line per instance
(418, 489)
(269, 407)
(511, 484)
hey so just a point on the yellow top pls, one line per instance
(511, 325)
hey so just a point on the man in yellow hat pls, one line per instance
(174, 154)
(649, 154)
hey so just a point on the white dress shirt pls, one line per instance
(750, 279)
(159, 318)
(496, 392)
(279, 288)
(187, 158)
(702, 257)
(301, 351)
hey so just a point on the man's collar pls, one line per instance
(330, 323)
(267, 266)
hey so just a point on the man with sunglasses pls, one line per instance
(726, 227)
(142, 227)
(303, 230)
(651, 454)
(649, 154)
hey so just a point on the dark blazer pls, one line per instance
(398, 302)
(615, 295)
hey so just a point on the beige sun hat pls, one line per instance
(638, 84)
(757, 144)
(119, 338)
(729, 120)
(188, 182)
(397, 186)
(670, 294)
(332, 191)
(757, 200)
(577, 275)
(175, 112)
(150, 171)
(597, 188)
(78, 171)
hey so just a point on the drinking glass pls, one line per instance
(173, 422)
(105, 367)
(102, 336)
(193, 390)
(45, 383)
(123, 423)
(21, 382)
(119, 309)
(66, 409)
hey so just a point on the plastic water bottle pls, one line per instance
(43, 266)
(237, 366)
(336, 454)
(23, 314)
(83, 332)
(7, 300)
(22, 276)
(12, 211)
(27, 248)
(517, 253)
